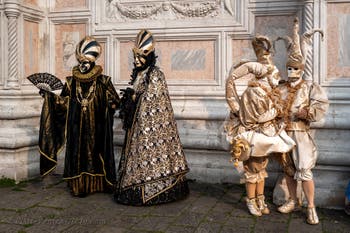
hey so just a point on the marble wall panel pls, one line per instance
(179, 60)
(31, 48)
(242, 49)
(31, 2)
(273, 27)
(102, 59)
(68, 4)
(338, 34)
(66, 39)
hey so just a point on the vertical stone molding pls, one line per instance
(12, 13)
(308, 25)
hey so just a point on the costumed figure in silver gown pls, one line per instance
(152, 167)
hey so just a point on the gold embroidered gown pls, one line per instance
(86, 127)
(153, 165)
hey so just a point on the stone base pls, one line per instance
(20, 164)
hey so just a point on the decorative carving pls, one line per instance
(197, 9)
(140, 11)
(136, 10)
(230, 5)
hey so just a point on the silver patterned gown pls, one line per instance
(153, 165)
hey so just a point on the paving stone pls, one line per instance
(241, 228)
(6, 228)
(267, 226)
(33, 216)
(337, 215)
(208, 227)
(137, 210)
(153, 223)
(223, 207)
(218, 216)
(182, 229)
(203, 204)
(7, 214)
(240, 210)
(231, 197)
(300, 225)
(14, 200)
(114, 229)
(48, 206)
(335, 226)
(122, 221)
(61, 200)
(169, 209)
(82, 229)
(233, 220)
(190, 219)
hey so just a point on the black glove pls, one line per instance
(42, 92)
(127, 107)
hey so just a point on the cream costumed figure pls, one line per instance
(254, 128)
(305, 102)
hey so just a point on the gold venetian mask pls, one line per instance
(144, 45)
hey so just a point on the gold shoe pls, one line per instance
(252, 207)
(287, 207)
(262, 205)
(312, 217)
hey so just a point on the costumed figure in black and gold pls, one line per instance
(153, 165)
(82, 116)
(305, 102)
(254, 127)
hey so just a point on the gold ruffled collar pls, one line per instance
(92, 75)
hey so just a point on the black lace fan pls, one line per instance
(45, 81)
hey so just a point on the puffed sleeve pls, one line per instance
(318, 103)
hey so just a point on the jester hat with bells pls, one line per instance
(298, 48)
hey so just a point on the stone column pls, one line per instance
(308, 25)
(12, 13)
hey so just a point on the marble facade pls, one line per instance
(197, 43)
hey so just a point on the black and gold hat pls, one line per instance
(88, 49)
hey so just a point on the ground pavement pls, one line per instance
(47, 206)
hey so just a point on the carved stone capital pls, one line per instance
(11, 8)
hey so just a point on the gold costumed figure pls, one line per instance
(305, 102)
(254, 126)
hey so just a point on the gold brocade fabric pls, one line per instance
(154, 157)
(92, 75)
